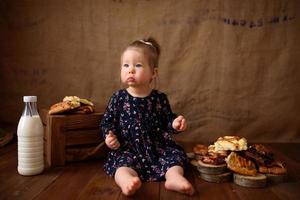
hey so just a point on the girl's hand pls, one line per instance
(111, 141)
(179, 124)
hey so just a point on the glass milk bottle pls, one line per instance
(30, 139)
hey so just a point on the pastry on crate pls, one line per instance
(63, 107)
(85, 109)
(77, 99)
(71, 98)
(72, 104)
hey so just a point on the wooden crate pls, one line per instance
(71, 137)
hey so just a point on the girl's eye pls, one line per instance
(125, 65)
(138, 65)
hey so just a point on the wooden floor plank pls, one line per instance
(10, 147)
(70, 183)
(287, 190)
(171, 195)
(218, 191)
(245, 193)
(100, 186)
(8, 159)
(148, 191)
(15, 186)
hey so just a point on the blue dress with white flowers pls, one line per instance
(143, 127)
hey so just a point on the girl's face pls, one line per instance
(135, 69)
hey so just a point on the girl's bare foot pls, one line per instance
(127, 179)
(131, 186)
(175, 181)
(179, 184)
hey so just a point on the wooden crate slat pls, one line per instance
(90, 121)
(79, 137)
(56, 141)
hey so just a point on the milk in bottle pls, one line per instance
(30, 139)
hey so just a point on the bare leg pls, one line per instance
(177, 182)
(127, 179)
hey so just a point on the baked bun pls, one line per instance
(240, 164)
(213, 159)
(86, 102)
(72, 104)
(71, 98)
(212, 150)
(230, 143)
(86, 109)
(77, 99)
(62, 107)
(200, 149)
(274, 168)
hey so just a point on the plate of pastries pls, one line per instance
(231, 158)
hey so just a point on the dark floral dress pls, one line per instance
(143, 127)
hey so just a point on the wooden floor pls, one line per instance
(86, 180)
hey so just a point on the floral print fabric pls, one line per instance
(143, 127)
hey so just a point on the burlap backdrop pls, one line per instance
(230, 67)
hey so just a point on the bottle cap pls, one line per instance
(29, 98)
